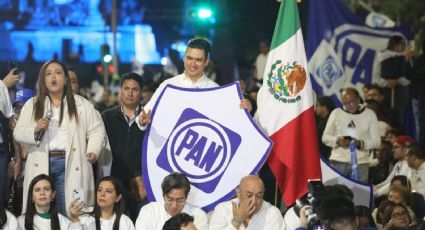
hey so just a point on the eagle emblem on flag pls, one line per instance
(286, 80)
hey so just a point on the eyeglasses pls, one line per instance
(399, 214)
(170, 200)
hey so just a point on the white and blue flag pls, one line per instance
(341, 49)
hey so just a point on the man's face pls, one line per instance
(251, 191)
(195, 62)
(174, 201)
(411, 161)
(398, 151)
(375, 95)
(350, 101)
(130, 93)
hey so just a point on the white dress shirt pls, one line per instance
(417, 179)
(267, 218)
(181, 81)
(400, 168)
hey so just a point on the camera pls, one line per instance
(309, 201)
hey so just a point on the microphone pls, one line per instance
(41, 132)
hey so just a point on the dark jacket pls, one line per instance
(126, 145)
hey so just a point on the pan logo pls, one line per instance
(199, 148)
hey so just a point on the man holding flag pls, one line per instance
(285, 108)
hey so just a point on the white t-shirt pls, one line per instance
(12, 222)
(153, 216)
(41, 223)
(89, 223)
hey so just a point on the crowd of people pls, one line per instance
(76, 165)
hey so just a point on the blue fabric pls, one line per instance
(354, 169)
(57, 173)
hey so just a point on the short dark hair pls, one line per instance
(175, 181)
(132, 76)
(327, 102)
(394, 41)
(177, 221)
(379, 89)
(200, 43)
(417, 151)
(334, 208)
(70, 68)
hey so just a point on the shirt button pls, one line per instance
(74, 149)
(77, 168)
(36, 165)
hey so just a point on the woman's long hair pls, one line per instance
(3, 216)
(42, 93)
(118, 207)
(31, 210)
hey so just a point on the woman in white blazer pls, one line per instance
(41, 212)
(64, 133)
(108, 210)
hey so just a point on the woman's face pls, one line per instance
(400, 217)
(55, 79)
(42, 194)
(396, 197)
(106, 195)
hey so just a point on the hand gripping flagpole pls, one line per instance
(354, 168)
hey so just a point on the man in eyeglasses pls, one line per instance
(400, 148)
(416, 160)
(175, 189)
(351, 123)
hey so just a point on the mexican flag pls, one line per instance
(285, 108)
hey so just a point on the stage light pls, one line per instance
(204, 13)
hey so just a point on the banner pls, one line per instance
(204, 134)
(363, 193)
(341, 49)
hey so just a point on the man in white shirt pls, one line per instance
(352, 122)
(195, 61)
(261, 61)
(400, 148)
(416, 160)
(175, 188)
(248, 210)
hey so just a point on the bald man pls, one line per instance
(248, 210)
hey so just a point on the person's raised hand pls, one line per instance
(246, 104)
(145, 117)
(91, 157)
(75, 209)
(11, 79)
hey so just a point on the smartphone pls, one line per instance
(78, 195)
(12, 65)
